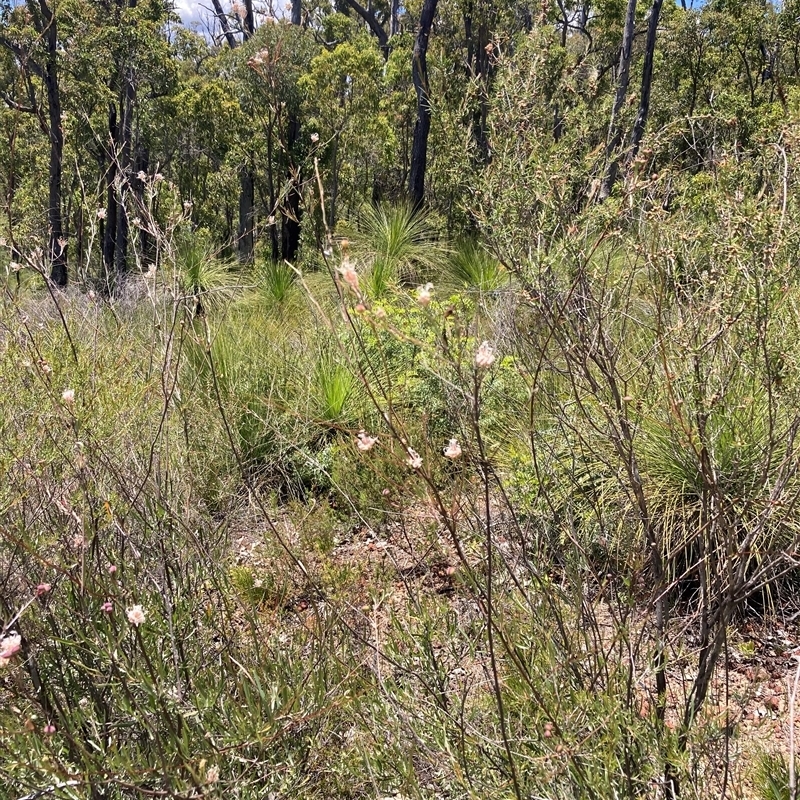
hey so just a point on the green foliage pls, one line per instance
(772, 778)
(396, 245)
(471, 266)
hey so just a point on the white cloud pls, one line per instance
(190, 11)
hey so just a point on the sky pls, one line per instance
(190, 10)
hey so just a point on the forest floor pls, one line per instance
(386, 567)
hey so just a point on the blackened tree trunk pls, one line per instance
(249, 20)
(58, 246)
(246, 213)
(247, 199)
(377, 29)
(647, 81)
(110, 221)
(290, 237)
(223, 22)
(422, 126)
(623, 79)
(44, 22)
(127, 104)
(290, 243)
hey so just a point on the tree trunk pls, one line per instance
(246, 180)
(377, 29)
(291, 228)
(290, 233)
(125, 162)
(246, 214)
(110, 222)
(623, 79)
(58, 247)
(422, 126)
(249, 20)
(647, 81)
(223, 23)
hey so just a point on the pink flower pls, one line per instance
(49, 729)
(414, 459)
(453, 450)
(136, 615)
(68, 397)
(9, 647)
(108, 607)
(349, 275)
(424, 294)
(484, 358)
(364, 442)
(112, 568)
(42, 589)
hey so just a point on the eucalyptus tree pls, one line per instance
(29, 35)
(422, 126)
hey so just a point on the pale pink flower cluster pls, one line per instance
(484, 358)
(68, 397)
(314, 138)
(424, 294)
(9, 647)
(414, 459)
(365, 442)
(349, 275)
(453, 450)
(212, 775)
(136, 615)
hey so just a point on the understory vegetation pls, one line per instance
(468, 498)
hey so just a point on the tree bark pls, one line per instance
(58, 246)
(127, 102)
(110, 221)
(647, 81)
(375, 26)
(623, 79)
(249, 20)
(224, 24)
(292, 215)
(422, 126)
(247, 198)
(290, 243)
(246, 214)
(44, 22)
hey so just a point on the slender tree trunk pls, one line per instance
(291, 227)
(58, 246)
(128, 100)
(377, 29)
(110, 222)
(419, 74)
(623, 79)
(647, 81)
(246, 179)
(249, 20)
(290, 238)
(246, 213)
(223, 23)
